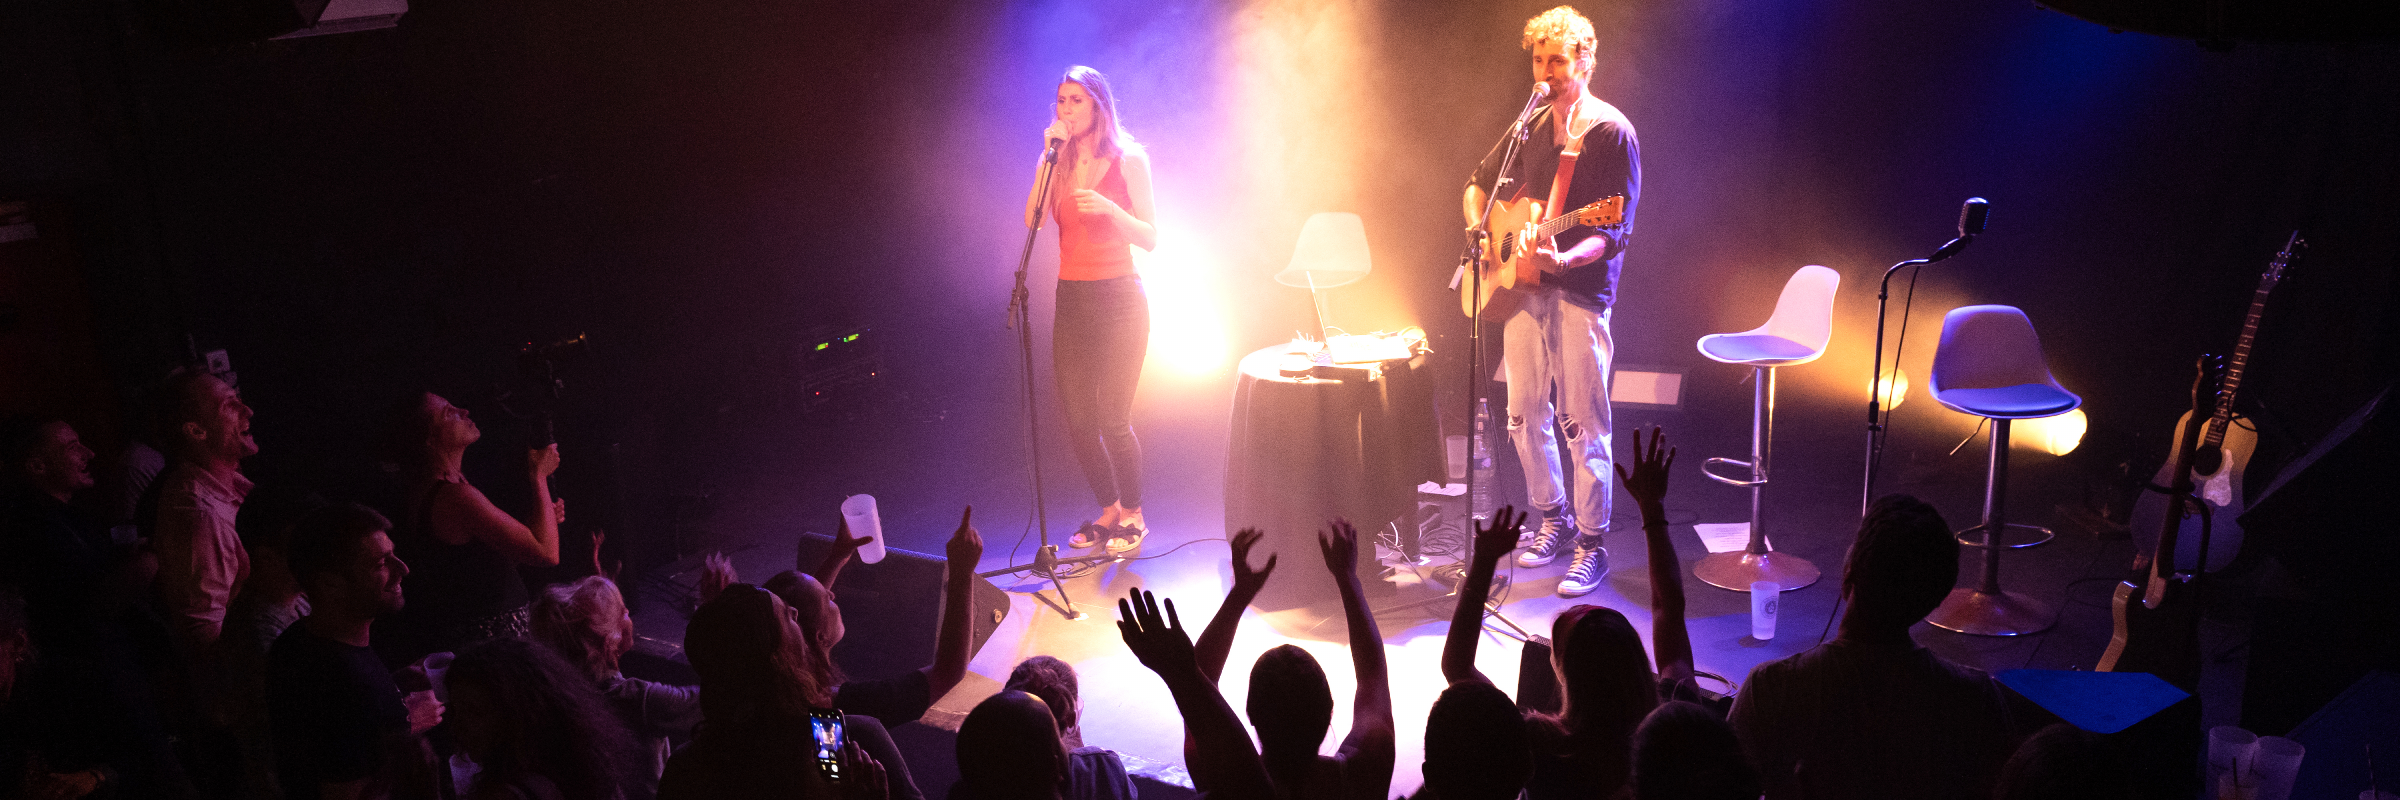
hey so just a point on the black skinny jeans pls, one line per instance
(1097, 344)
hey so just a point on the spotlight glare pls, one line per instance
(2057, 435)
(1894, 388)
(1187, 310)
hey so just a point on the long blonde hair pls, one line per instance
(583, 621)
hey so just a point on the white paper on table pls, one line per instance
(1726, 537)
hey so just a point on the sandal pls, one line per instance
(1086, 536)
(1124, 539)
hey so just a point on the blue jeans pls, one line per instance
(1549, 344)
(1097, 344)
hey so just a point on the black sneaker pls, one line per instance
(1555, 532)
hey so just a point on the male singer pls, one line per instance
(1557, 340)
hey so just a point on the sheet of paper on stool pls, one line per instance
(1726, 537)
(2100, 702)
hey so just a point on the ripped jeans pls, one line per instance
(1548, 343)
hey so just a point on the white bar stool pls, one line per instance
(1796, 334)
(1990, 364)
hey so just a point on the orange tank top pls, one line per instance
(1089, 246)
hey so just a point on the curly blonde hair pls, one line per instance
(1564, 25)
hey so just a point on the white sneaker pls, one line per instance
(1589, 568)
(1555, 531)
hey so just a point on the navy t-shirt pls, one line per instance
(336, 713)
(1611, 164)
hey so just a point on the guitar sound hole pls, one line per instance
(2206, 460)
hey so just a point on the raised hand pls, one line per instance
(1159, 642)
(1340, 548)
(1246, 579)
(966, 543)
(716, 573)
(848, 544)
(1496, 537)
(424, 711)
(541, 461)
(1646, 480)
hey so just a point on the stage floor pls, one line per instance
(1813, 503)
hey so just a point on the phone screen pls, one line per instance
(826, 729)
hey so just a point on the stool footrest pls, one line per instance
(1730, 481)
(2045, 537)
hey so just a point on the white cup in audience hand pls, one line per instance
(436, 666)
(865, 522)
(1766, 598)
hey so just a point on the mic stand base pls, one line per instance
(1045, 564)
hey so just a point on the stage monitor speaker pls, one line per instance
(891, 610)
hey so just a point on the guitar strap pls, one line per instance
(1565, 178)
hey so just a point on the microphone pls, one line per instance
(1971, 219)
(1541, 91)
(1050, 151)
(1973, 215)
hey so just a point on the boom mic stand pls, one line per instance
(1020, 316)
(1971, 220)
(1471, 262)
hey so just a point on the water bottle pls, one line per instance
(1480, 505)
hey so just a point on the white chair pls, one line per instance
(1796, 334)
(1990, 364)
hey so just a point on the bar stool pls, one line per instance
(1990, 364)
(1796, 334)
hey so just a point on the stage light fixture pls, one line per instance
(2057, 435)
(1894, 388)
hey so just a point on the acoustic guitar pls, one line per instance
(1508, 263)
(2226, 442)
(2156, 612)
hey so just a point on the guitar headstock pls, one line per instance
(1609, 210)
(2282, 259)
(2208, 375)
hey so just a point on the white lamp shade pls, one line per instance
(1332, 252)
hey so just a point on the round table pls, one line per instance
(1306, 449)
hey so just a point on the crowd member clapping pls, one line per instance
(1221, 756)
(1290, 702)
(758, 682)
(465, 550)
(342, 727)
(1093, 773)
(1871, 714)
(586, 622)
(534, 724)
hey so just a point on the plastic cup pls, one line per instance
(1456, 449)
(2276, 762)
(437, 665)
(2228, 752)
(865, 522)
(1765, 597)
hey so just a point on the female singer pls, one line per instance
(1100, 196)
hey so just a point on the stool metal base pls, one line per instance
(2000, 614)
(1738, 569)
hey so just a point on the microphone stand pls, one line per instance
(1020, 317)
(1472, 261)
(1876, 415)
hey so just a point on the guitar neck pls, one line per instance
(1557, 225)
(2232, 382)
